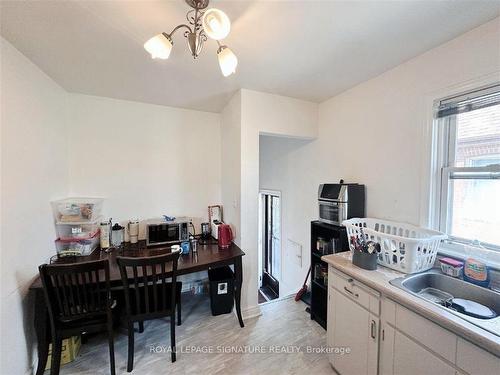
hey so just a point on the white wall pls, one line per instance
(386, 118)
(278, 115)
(280, 162)
(377, 134)
(146, 160)
(231, 162)
(264, 114)
(34, 170)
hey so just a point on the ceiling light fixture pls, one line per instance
(203, 24)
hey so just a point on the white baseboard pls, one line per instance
(250, 312)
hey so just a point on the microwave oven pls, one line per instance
(161, 232)
(339, 202)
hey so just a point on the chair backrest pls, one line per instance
(146, 283)
(77, 290)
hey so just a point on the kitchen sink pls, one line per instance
(437, 288)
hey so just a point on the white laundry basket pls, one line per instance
(403, 247)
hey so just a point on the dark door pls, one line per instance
(271, 270)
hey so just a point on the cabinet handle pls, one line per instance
(383, 335)
(373, 329)
(350, 280)
(351, 293)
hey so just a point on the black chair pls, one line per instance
(78, 300)
(149, 294)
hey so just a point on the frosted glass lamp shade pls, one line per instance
(159, 46)
(227, 61)
(216, 24)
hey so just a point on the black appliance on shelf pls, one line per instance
(339, 202)
(325, 239)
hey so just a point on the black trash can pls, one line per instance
(221, 290)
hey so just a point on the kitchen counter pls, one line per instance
(379, 280)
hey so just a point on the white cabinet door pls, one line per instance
(412, 359)
(354, 328)
(330, 322)
(475, 360)
(386, 350)
(427, 333)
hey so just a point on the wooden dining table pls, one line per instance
(208, 256)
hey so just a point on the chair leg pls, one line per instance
(56, 355)
(141, 327)
(172, 336)
(130, 362)
(111, 348)
(179, 322)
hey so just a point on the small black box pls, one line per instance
(221, 290)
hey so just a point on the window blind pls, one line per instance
(468, 102)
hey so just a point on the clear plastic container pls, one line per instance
(451, 267)
(77, 247)
(77, 231)
(77, 210)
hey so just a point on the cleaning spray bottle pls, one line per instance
(475, 269)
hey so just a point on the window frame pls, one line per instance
(444, 134)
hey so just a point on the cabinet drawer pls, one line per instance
(475, 360)
(388, 308)
(429, 334)
(355, 290)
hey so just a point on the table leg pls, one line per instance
(238, 275)
(42, 330)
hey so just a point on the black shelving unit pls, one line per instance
(325, 239)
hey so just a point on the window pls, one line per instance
(468, 173)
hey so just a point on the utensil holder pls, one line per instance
(366, 261)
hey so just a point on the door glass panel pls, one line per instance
(275, 238)
(329, 212)
(271, 249)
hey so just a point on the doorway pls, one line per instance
(270, 245)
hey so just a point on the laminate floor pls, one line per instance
(206, 344)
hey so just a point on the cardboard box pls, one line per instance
(69, 351)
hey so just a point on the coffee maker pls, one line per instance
(215, 219)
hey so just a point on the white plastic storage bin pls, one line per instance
(403, 247)
(77, 231)
(77, 247)
(77, 210)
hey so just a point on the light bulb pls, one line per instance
(227, 61)
(159, 46)
(216, 24)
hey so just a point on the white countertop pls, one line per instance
(379, 280)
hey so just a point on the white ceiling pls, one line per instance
(310, 50)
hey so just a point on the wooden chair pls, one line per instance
(78, 300)
(149, 294)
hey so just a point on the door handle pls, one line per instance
(373, 329)
(351, 292)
